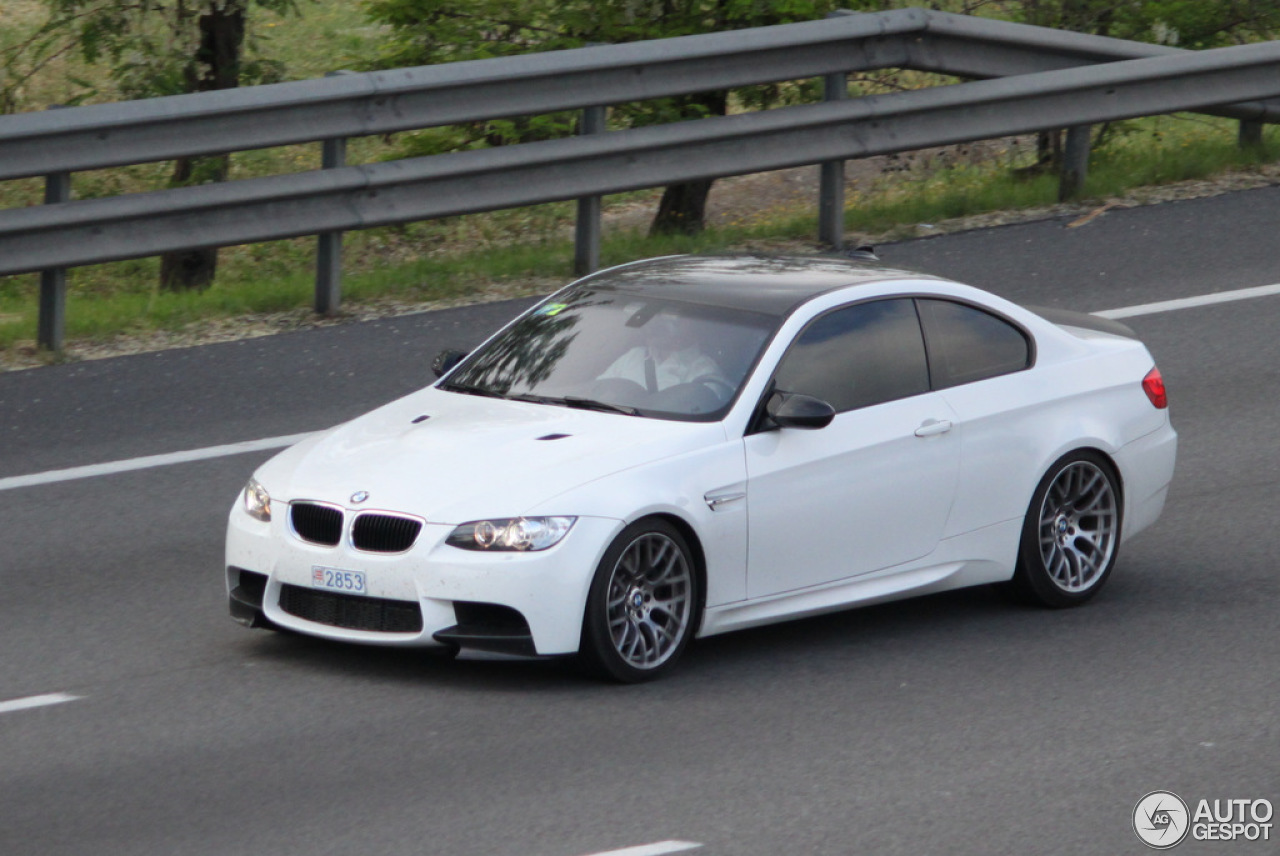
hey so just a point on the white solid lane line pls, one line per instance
(1190, 302)
(51, 476)
(657, 849)
(152, 461)
(36, 701)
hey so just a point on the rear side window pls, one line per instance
(859, 355)
(967, 344)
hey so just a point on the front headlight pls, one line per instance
(257, 501)
(512, 533)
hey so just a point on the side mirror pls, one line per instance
(445, 361)
(794, 410)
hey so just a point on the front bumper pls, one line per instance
(432, 595)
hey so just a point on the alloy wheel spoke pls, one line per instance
(617, 598)
(664, 617)
(637, 639)
(664, 635)
(1089, 564)
(1072, 561)
(1062, 567)
(1098, 502)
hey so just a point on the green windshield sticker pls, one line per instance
(552, 309)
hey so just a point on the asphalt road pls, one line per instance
(957, 724)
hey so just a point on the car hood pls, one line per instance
(472, 457)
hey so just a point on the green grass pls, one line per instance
(1155, 151)
(1166, 149)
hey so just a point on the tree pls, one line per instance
(24, 55)
(170, 47)
(425, 32)
(1182, 23)
(1185, 23)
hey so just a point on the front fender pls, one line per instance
(682, 487)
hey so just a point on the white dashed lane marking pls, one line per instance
(36, 701)
(1191, 302)
(657, 849)
(150, 461)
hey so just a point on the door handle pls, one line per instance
(930, 427)
(715, 501)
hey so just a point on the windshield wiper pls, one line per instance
(577, 403)
(471, 390)
(602, 406)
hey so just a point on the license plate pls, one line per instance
(335, 579)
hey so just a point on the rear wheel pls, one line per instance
(1071, 535)
(643, 604)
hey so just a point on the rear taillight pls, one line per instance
(1153, 386)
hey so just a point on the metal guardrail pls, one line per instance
(379, 194)
(383, 102)
(1058, 79)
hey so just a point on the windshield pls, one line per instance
(599, 349)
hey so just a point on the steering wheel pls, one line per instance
(722, 389)
(619, 390)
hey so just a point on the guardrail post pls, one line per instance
(1250, 136)
(586, 233)
(1075, 162)
(333, 154)
(835, 87)
(52, 317)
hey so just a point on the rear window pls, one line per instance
(967, 344)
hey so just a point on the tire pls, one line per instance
(643, 606)
(1071, 534)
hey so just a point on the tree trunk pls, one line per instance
(683, 208)
(216, 66)
(193, 270)
(1048, 156)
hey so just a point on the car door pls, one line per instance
(874, 487)
(978, 362)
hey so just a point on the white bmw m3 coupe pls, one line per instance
(686, 446)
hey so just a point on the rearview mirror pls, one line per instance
(446, 360)
(794, 410)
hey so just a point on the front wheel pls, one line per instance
(1071, 534)
(643, 604)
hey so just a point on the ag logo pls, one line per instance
(1161, 819)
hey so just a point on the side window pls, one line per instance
(859, 355)
(968, 344)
